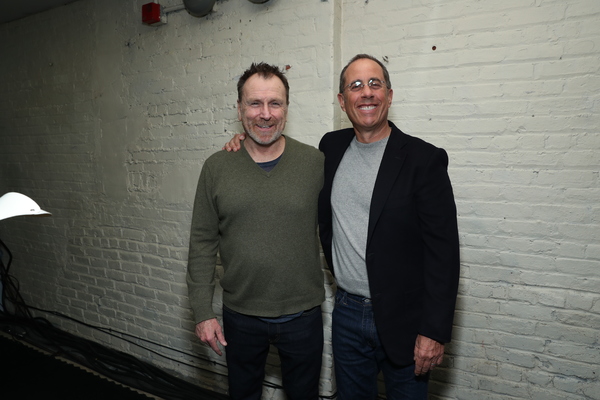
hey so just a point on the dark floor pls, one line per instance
(30, 374)
(32, 366)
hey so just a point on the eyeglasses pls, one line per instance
(374, 84)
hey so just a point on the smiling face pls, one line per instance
(263, 109)
(367, 108)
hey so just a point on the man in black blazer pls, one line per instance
(387, 221)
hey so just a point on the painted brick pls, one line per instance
(115, 153)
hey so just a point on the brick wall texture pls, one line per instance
(106, 122)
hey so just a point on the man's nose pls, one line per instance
(265, 112)
(367, 91)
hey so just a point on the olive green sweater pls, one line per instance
(264, 225)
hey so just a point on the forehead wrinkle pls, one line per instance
(268, 100)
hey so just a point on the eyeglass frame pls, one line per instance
(356, 86)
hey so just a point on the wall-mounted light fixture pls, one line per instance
(14, 204)
(199, 8)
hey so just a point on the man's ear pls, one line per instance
(340, 97)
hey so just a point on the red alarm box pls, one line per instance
(151, 14)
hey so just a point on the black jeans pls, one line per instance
(300, 346)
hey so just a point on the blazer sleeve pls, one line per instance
(441, 263)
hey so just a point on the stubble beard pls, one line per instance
(262, 140)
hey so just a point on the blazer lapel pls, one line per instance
(391, 164)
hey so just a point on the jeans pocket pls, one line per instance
(340, 298)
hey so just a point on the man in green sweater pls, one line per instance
(258, 208)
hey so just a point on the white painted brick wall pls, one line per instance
(106, 123)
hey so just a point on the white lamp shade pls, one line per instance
(13, 204)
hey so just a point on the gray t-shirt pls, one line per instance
(350, 202)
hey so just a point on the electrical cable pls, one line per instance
(16, 317)
(121, 335)
(114, 364)
(109, 367)
(10, 286)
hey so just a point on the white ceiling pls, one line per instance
(11, 10)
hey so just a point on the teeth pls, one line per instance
(367, 108)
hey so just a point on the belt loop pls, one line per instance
(343, 294)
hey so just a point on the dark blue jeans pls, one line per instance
(359, 356)
(300, 346)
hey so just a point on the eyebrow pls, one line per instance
(379, 79)
(267, 100)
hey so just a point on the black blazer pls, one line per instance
(412, 250)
